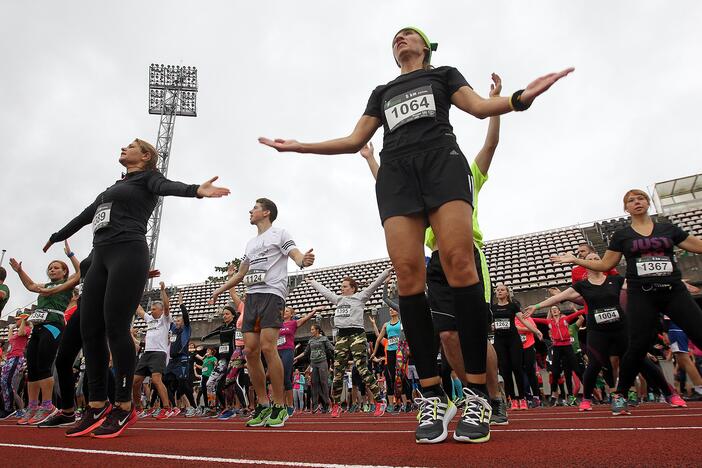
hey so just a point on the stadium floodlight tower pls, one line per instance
(172, 92)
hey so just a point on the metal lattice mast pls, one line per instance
(172, 92)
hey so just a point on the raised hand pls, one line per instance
(564, 258)
(66, 247)
(542, 84)
(17, 266)
(47, 246)
(540, 336)
(231, 269)
(213, 298)
(367, 151)
(308, 258)
(496, 86)
(180, 298)
(528, 311)
(153, 274)
(207, 190)
(162, 285)
(281, 145)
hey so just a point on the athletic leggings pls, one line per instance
(178, 387)
(529, 368)
(390, 373)
(287, 357)
(11, 373)
(41, 351)
(643, 311)
(241, 385)
(112, 291)
(603, 344)
(563, 357)
(202, 391)
(215, 384)
(320, 383)
(70, 346)
(509, 360)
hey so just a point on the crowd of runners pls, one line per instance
(454, 342)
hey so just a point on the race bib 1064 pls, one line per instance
(501, 324)
(255, 277)
(607, 315)
(654, 266)
(415, 104)
(102, 216)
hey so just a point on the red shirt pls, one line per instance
(525, 334)
(559, 329)
(69, 313)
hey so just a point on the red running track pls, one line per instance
(654, 435)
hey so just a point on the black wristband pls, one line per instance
(517, 104)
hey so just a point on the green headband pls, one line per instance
(432, 46)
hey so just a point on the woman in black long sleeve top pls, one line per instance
(115, 281)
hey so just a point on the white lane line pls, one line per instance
(602, 429)
(167, 456)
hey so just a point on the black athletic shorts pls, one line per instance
(419, 182)
(263, 310)
(151, 362)
(440, 295)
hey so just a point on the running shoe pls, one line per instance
(59, 419)
(572, 400)
(259, 416)
(42, 414)
(694, 397)
(434, 416)
(523, 404)
(390, 408)
(4, 415)
(278, 416)
(92, 419)
(190, 412)
(380, 408)
(675, 401)
(163, 413)
(460, 402)
(336, 411)
(474, 426)
(142, 414)
(535, 402)
(116, 423)
(26, 416)
(352, 409)
(633, 399)
(174, 412)
(514, 405)
(619, 405)
(585, 405)
(155, 413)
(291, 411)
(226, 414)
(499, 413)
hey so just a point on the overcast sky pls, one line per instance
(74, 90)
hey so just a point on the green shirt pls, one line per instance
(208, 365)
(575, 338)
(478, 180)
(6, 290)
(55, 301)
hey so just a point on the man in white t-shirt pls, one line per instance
(157, 344)
(264, 271)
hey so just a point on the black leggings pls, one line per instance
(41, 352)
(68, 350)
(529, 367)
(509, 360)
(603, 344)
(643, 312)
(563, 359)
(113, 288)
(390, 373)
(241, 387)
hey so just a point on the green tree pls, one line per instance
(221, 275)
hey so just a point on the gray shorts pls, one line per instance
(151, 362)
(262, 310)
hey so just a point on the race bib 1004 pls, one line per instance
(654, 266)
(255, 277)
(417, 103)
(501, 324)
(607, 315)
(102, 216)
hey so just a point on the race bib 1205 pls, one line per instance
(417, 103)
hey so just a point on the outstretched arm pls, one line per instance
(86, 217)
(366, 294)
(469, 101)
(362, 133)
(231, 282)
(567, 295)
(323, 290)
(608, 261)
(164, 298)
(484, 157)
(379, 339)
(305, 318)
(24, 277)
(692, 244)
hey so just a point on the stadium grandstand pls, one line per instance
(521, 262)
